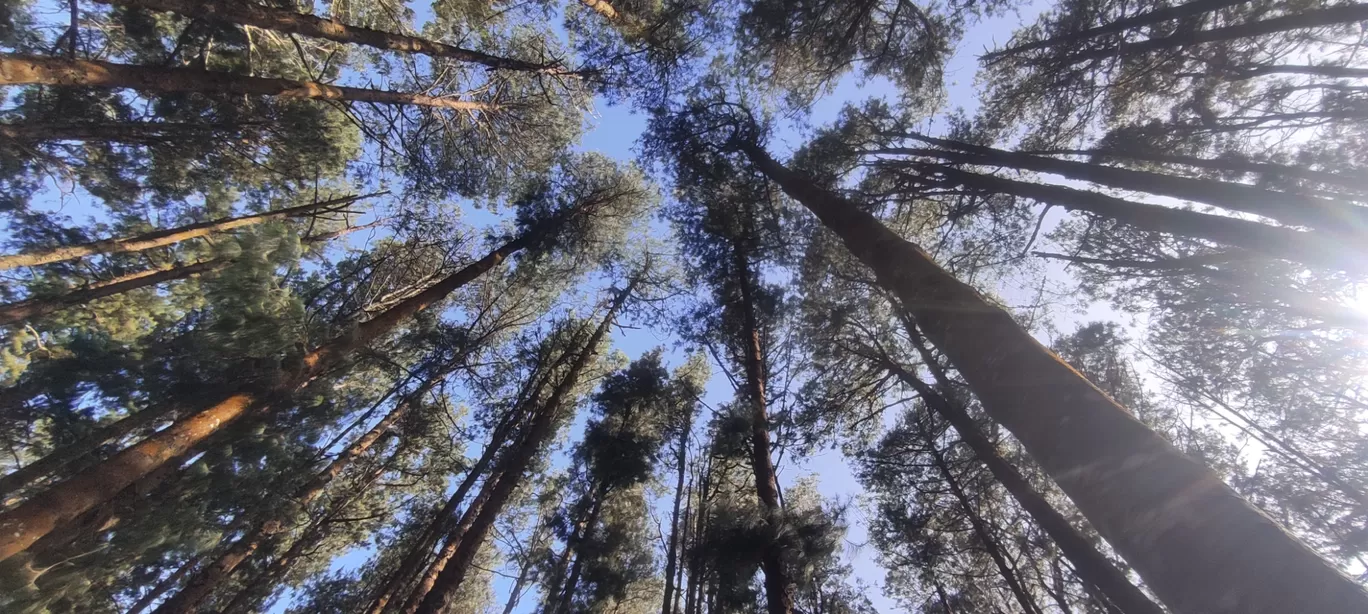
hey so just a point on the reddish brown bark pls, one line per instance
(22, 70)
(1197, 544)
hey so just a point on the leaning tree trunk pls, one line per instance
(1198, 544)
(169, 236)
(198, 588)
(1090, 565)
(778, 593)
(1251, 167)
(1074, 39)
(1288, 208)
(515, 464)
(22, 70)
(1314, 249)
(290, 22)
(164, 586)
(22, 311)
(64, 501)
(134, 132)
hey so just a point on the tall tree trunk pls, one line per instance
(1090, 565)
(1315, 249)
(672, 549)
(45, 512)
(515, 594)
(164, 586)
(13, 313)
(222, 567)
(61, 457)
(778, 587)
(169, 236)
(1073, 39)
(515, 464)
(1197, 544)
(673, 608)
(980, 528)
(571, 584)
(134, 132)
(21, 70)
(1318, 70)
(1225, 164)
(1288, 208)
(1318, 18)
(289, 22)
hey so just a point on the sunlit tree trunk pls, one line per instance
(23, 70)
(1197, 544)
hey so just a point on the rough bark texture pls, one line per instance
(22, 70)
(169, 236)
(21, 311)
(514, 465)
(289, 22)
(28, 522)
(1089, 564)
(1197, 544)
(1315, 249)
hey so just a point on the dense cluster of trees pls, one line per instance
(312, 307)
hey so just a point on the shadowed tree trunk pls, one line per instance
(164, 586)
(169, 236)
(1197, 544)
(111, 132)
(672, 550)
(25, 310)
(21, 70)
(572, 549)
(1072, 39)
(289, 22)
(514, 464)
(25, 524)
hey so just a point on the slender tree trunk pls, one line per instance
(1288, 208)
(169, 236)
(64, 501)
(778, 587)
(215, 573)
(682, 545)
(1318, 70)
(515, 595)
(515, 464)
(61, 457)
(289, 22)
(1315, 249)
(1072, 40)
(1250, 167)
(1319, 18)
(21, 70)
(164, 586)
(1090, 565)
(671, 550)
(567, 594)
(22, 311)
(134, 132)
(1197, 544)
(985, 536)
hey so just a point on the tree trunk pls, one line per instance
(1318, 70)
(165, 585)
(61, 457)
(1071, 40)
(1196, 543)
(980, 528)
(567, 594)
(1291, 209)
(214, 574)
(1335, 15)
(1090, 565)
(134, 132)
(289, 22)
(1314, 249)
(169, 236)
(671, 550)
(1251, 167)
(778, 587)
(515, 595)
(515, 464)
(22, 311)
(64, 501)
(21, 70)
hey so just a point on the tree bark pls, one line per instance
(515, 464)
(203, 584)
(1198, 544)
(1090, 565)
(22, 311)
(1314, 249)
(1222, 164)
(109, 132)
(22, 70)
(164, 586)
(169, 236)
(289, 22)
(1292, 209)
(1335, 15)
(778, 587)
(28, 522)
(1072, 39)
(671, 550)
(1318, 70)
(567, 594)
